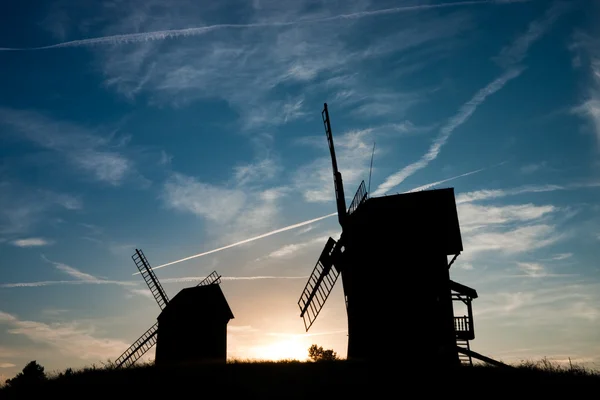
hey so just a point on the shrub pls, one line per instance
(316, 353)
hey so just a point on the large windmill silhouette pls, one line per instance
(195, 315)
(392, 256)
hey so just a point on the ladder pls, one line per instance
(151, 280)
(138, 348)
(319, 285)
(465, 359)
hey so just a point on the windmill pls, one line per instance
(177, 324)
(392, 256)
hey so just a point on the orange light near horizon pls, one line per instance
(287, 349)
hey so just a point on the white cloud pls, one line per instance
(23, 208)
(141, 292)
(291, 250)
(71, 338)
(31, 242)
(532, 269)
(562, 256)
(517, 51)
(81, 147)
(531, 168)
(7, 365)
(512, 241)
(81, 278)
(486, 194)
(75, 273)
(353, 152)
(260, 171)
(174, 33)
(165, 159)
(219, 204)
(471, 214)
(275, 47)
(589, 109)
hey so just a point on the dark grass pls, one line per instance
(306, 380)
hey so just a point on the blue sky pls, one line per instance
(178, 128)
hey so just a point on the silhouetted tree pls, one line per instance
(32, 374)
(316, 353)
(67, 373)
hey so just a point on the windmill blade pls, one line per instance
(138, 348)
(151, 280)
(359, 197)
(337, 176)
(319, 285)
(211, 279)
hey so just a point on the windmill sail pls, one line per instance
(337, 176)
(138, 348)
(151, 280)
(319, 285)
(359, 198)
(213, 278)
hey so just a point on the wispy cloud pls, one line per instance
(89, 152)
(81, 277)
(478, 215)
(562, 256)
(72, 338)
(232, 211)
(185, 193)
(31, 242)
(516, 52)
(7, 365)
(55, 283)
(353, 152)
(173, 33)
(22, 208)
(74, 272)
(589, 108)
(227, 61)
(291, 250)
(531, 168)
(510, 241)
(533, 269)
(487, 194)
(510, 57)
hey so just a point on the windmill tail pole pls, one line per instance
(483, 358)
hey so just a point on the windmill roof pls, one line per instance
(208, 302)
(426, 218)
(462, 289)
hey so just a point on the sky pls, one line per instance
(181, 127)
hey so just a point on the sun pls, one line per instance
(288, 349)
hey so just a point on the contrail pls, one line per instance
(430, 185)
(457, 120)
(173, 33)
(509, 57)
(287, 228)
(230, 278)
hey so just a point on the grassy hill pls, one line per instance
(307, 380)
